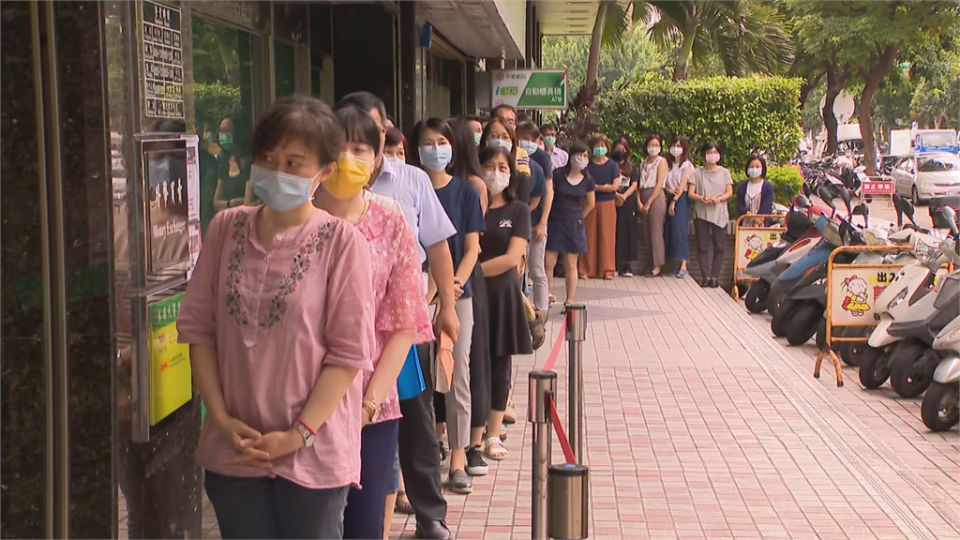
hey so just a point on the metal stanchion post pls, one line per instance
(576, 334)
(540, 390)
(569, 514)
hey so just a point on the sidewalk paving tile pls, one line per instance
(700, 425)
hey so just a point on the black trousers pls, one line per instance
(707, 234)
(264, 507)
(627, 233)
(420, 450)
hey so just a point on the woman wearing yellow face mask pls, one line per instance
(401, 314)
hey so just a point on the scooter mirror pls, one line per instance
(806, 190)
(803, 202)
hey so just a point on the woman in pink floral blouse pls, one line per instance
(401, 321)
(279, 316)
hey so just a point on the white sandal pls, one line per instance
(495, 449)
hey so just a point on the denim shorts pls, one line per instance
(394, 485)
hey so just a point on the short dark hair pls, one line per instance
(365, 101)
(596, 140)
(763, 165)
(485, 118)
(578, 148)
(522, 117)
(299, 117)
(394, 137)
(434, 124)
(528, 128)
(708, 146)
(470, 118)
(487, 153)
(545, 127)
(359, 127)
(502, 107)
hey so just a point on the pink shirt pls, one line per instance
(276, 319)
(397, 288)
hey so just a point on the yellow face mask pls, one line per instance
(351, 174)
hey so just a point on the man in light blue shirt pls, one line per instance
(419, 449)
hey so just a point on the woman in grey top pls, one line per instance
(710, 187)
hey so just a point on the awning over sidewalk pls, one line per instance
(479, 28)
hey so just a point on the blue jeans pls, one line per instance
(677, 231)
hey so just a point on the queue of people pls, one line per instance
(370, 306)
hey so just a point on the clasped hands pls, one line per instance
(253, 448)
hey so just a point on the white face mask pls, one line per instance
(497, 181)
(676, 151)
(502, 143)
(578, 164)
(754, 172)
(653, 150)
(394, 159)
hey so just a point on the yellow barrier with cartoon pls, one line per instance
(852, 291)
(750, 241)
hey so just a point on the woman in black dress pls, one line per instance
(502, 247)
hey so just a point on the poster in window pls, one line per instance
(168, 210)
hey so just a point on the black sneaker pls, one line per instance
(476, 465)
(459, 482)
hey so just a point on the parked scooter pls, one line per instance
(940, 409)
(917, 308)
(767, 266)
(803, 314)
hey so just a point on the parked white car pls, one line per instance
(925, 176)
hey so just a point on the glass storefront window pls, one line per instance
(284, 69)
(223, 65)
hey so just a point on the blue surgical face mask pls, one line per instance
(529, 146)
(281, 191)
(502, 143)
(436, 158)
(476, 138)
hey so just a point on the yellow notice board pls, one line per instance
(170, 378)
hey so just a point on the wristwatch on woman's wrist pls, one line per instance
(309, 435)
(372, 409)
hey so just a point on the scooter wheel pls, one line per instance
(803, 324)
(784, 313)
(874, 370)
(756, 299)
(940, 409)
(911, 372)
(775, 298)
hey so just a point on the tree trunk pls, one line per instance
(807, 86)
(593, 60)
(880, 67)
(835, 81)
(681, 69)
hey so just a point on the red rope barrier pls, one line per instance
(555, 418)
(555, 351)
(558, 427)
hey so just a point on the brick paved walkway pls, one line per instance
(699, 425)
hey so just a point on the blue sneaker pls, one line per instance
(683, 273)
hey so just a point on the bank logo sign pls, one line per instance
(530, 89)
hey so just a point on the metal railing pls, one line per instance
(560, 493)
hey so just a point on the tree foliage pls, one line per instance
(748, 36)
(743, 115)
(631, 60)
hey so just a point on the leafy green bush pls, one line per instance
(741, 114)
(779, 176)
(215, 101)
